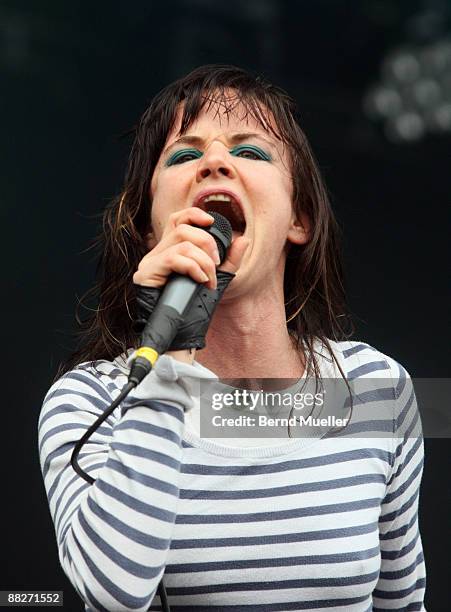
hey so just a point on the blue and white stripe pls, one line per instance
(318, 524)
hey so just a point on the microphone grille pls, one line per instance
(221, 230)
(222, 224)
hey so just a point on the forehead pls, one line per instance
(225, 115)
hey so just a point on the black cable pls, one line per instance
(74, 462)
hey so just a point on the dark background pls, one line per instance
(75, 76)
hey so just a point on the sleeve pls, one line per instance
(113, 536)
(402, 578)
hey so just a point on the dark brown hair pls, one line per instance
(313, 284)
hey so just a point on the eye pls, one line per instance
(182, 156)
(250, 152)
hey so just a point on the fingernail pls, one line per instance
(216, 258)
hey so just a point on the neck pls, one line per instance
(248, 340)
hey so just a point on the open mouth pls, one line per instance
(225, 205)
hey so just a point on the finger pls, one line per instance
(186, 233)
(189, 216)
(235, 255)
(154, 269)
(192, 215)
(206, 263)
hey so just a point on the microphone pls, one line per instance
(176, 298)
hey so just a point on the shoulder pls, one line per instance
(368, 369)
(382, 391)
(359, 359)
(99, 374)
(90, 387)
(360, 362)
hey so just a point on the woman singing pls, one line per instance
(321, 518)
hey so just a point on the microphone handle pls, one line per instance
(178, 292)
(163, 324)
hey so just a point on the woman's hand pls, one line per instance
(183, 249)
(187, 250)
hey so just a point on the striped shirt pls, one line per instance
(321, 522)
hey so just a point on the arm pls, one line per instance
(114, 536)
(402, 581)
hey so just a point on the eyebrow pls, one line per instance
(233, 139)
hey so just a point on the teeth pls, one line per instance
(217, 197)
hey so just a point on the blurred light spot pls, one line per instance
(406, 127)
(383, 101)
(402, 66)
(442, 117)
(426, 92)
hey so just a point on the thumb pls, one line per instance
(235, 255)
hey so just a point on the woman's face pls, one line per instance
(235, 167)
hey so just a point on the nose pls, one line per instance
(215, 162)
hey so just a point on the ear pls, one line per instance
(299, 231)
